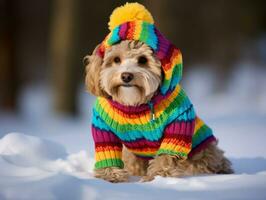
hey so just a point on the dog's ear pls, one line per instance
(93, 67)
(86, 60)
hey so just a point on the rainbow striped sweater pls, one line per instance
(166, 125)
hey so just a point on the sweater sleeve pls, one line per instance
(177, 139)
(108, 148)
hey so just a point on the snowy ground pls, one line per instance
(44, 156)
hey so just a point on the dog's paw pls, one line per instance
(165, 166)
(112, 174)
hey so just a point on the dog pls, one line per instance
(130, 80)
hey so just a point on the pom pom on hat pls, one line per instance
(133, 21)
(129, 12)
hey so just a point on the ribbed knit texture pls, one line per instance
(165, 125)
(175, 130)
(168, 54)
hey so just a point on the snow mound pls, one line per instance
(34, 167)
(28, 150)
(33, 158)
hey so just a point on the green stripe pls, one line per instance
(145, 154)
(202, 133)
(144, 34)
(170, 152)
(109, 163)
(177, 71)
(159, 122)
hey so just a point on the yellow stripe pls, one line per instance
(198, 124)
(176, 60)
(143, 152)
(166, 102)
(174, 147)
(105, 42)
(143, 119)
(137, 31)
(102, 155)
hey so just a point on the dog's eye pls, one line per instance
(142, 60)
(117, 59)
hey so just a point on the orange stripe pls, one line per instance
(173, 146)
(147, 149)
(108, 148)
(198, 124)
(173, 60)
(176, 142)
(107, 155)
(144, 152)
(130, 34)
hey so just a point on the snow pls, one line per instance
(48, 157)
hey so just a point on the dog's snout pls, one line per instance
(127, 77)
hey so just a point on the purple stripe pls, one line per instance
(141, 108)
(144, 157)
(123, 31)
(163, 45)
(103, 136)
(108, 144)
(129, 109)
(181, 128)
(142, 143)
(159, 97)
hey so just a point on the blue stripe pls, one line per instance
(137, 132)
(115, 36)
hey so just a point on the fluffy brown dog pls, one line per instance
(130, 74)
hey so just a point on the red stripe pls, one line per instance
(175, 54)
(178, 137)
(108, 148)
(166, 60)
(142, 143)
(131, 29)
(145, 149)
(108, 144)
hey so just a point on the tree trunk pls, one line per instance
(64, 62)
(9, 81)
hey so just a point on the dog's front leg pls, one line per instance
(112, 174)
(166, 166)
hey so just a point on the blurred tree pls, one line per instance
(65, 26)
(77, 26)
(9, 79)
(210, 33)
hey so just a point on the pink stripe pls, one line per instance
(158, 98)
(103, 136)
(163, 45)
(141, 108)
(123, 31)
(182, 128)
(142, 143)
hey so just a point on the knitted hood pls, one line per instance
(167, 124)
(133, 22)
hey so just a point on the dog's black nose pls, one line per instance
(127, 77)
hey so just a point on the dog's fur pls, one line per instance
(103, 78)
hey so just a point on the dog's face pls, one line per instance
(129, 73)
